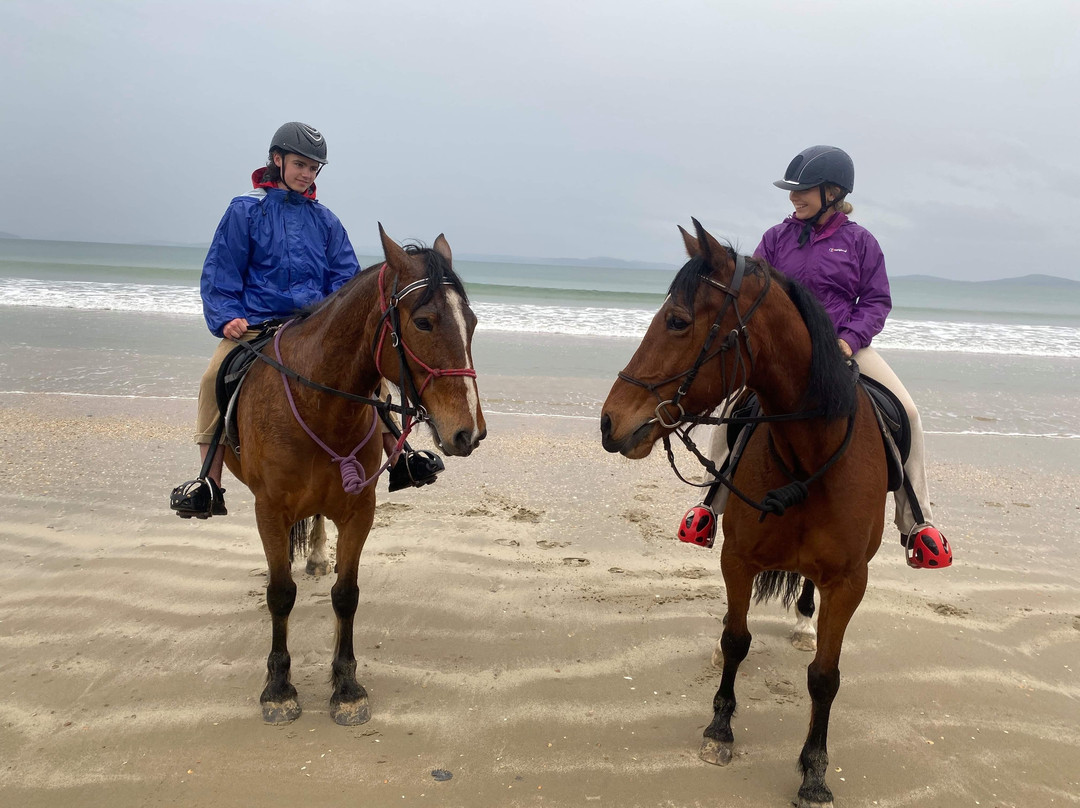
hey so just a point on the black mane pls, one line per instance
(684, 285)
(439, 270)
(830, 388)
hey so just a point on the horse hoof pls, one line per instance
(350, 713)
(319, 569)
(814, 804)
(718, 753)
(280, 712)
(718, 656)
(804, 642)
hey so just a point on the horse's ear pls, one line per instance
(703, 239)
(693, 249)
(395, 256)
(710, 247)
(442, 247)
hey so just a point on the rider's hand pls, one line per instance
(235, 329)
(844, 347)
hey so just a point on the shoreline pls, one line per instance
(590, 417)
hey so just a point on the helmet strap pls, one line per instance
(804, 236)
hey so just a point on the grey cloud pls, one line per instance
(554, 129)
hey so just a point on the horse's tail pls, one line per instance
(298, 538)
(777, 583)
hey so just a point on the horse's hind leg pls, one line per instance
(804, 637)
(734, 645)
(278, 698)
(318, 561)
(838, 604)
(349, 702)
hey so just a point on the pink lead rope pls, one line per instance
(353, 478)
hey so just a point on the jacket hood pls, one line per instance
(258, 182)
(832, 224)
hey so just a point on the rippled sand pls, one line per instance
(527, 624)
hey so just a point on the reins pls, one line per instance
(377, 403)
(413, 412)
(731, 340)
(778, 500)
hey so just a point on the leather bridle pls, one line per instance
(775, 501)
(662, 415)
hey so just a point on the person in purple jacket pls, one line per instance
(842, 264)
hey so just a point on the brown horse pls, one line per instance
(407, 319)
(811, 485)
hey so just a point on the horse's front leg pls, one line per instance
(349, 702)
(838, 604)
(734, 645)
(804, 637)
(278, 698)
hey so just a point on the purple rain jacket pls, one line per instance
(842, 265)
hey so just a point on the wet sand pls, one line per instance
(528, 624)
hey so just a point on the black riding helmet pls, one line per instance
(817, 167)
(299, 138)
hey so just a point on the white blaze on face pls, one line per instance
(456, 306)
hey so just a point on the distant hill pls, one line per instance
(1052, 281)
(596, 261)
(8, 235)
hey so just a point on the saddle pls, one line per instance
(889, 412)
(231, 377)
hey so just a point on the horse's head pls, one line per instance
(693, 355)
(425, 342)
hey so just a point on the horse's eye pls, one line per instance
(676, 323)
(423, 323)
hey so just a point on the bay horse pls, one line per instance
(406, 320)
(811, 485)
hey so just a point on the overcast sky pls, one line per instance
(556, 129)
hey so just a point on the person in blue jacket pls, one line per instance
(275, 251)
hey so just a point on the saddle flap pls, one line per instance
(232, 372)
(895, 429)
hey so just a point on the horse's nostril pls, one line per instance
(605, 425)
(463, 440)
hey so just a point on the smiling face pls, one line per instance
(297, 172)
(807, 203)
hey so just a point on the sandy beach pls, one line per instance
(528, 624)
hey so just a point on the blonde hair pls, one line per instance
(841, 204)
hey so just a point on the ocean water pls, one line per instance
(1000, 358)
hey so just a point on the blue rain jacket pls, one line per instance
(274, 252)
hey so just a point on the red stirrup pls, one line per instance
(926, 548)
(698, 526)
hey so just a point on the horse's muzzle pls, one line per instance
(627, 445)
(463, 442)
